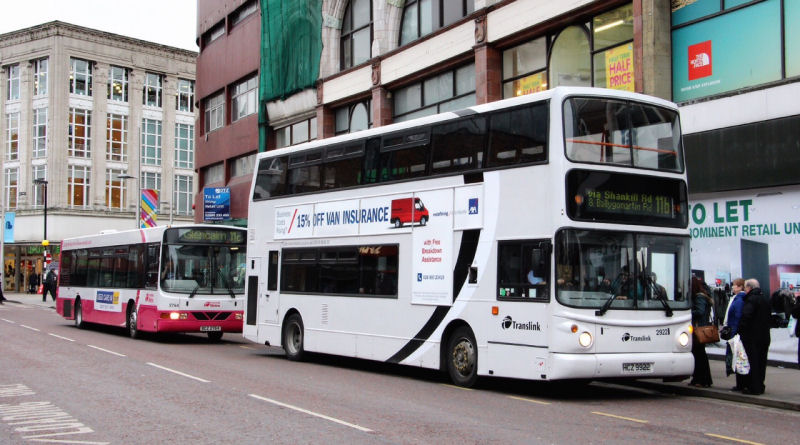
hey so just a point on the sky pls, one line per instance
(168, 22)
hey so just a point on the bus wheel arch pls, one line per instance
(79, 323)
(459, 354)
(131, 320)
(292, 336)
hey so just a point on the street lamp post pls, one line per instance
(138, 198)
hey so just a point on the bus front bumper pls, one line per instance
(623, 365)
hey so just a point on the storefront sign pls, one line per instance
(8, 229)
(530, 84)
(619, 68)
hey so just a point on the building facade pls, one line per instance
(386, 61)
(732, 66)
(90, 118)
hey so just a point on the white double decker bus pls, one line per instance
(542, 237)
(162, 279)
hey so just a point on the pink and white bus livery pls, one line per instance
(162, 279)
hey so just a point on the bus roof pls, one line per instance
(132, 236)
(558, 93)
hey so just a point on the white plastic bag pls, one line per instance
(741, 365)
(792, 324)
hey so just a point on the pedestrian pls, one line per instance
(50, 281)
(702, 305)
(754, 331)
(2, 297)
(732, 317)
(796, 315)
(33, 283)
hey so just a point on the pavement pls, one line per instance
(782, 382)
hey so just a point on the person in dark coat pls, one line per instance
(701, 314)
(732, 321)
(796, 315)
(754, 331)
(50, 283)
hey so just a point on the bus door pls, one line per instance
(262, 291)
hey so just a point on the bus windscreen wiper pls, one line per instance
(607, 304)
(194, 291)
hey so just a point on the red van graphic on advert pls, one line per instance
(408, 210)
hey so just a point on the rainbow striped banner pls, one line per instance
(149, 209)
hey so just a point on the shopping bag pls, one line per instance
(741, 365)
(40, 289)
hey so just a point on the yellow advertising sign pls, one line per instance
(619, 68)
(530, 84)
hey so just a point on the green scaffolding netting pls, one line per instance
(291, 46)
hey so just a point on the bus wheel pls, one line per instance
(462, 357)
(133, 331)
(423, 221)
(79, 315)
(215, 336)
(293, 338)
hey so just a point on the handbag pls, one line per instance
(706, 334)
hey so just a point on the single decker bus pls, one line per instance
(161, 279)
(554, 244)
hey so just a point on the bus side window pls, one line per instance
(151, 275)
(271, 178)
(523, 269)
(371, 164)
(518, 136)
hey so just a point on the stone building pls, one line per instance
(88, 119)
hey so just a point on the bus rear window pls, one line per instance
(605, 131)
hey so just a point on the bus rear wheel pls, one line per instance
(462, 357)
(133, 329)
(79, 315)
(293, 338)
(215, 336)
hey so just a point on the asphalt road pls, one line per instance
(59, 383)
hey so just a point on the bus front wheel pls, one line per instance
(133, 330)
(293, 337)
(462, 357)
(79, 315)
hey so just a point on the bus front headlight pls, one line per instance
(683, 339)
(585, 339)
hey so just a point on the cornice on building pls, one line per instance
(58, 28)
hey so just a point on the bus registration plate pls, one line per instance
(210, 328)
(637, 367)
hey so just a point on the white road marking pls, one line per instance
(63, 338)
(312, 413)
(630, 419)
(525, 399)
(8, 321)
(106, 350)
(718, 436)
(29, 327)
(44, 422)
(179, 373)
(456, 387)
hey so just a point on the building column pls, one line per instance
(653, 47)
(381, 99)
(488, 67)
(326, 118)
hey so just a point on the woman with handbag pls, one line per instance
(702, 305)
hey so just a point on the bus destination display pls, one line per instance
(624, 198)
(213, 236)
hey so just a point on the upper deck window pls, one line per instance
(605, 131)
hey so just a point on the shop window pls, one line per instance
(354, 117)
(570, 62)
(422, 17)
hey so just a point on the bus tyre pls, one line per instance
(79, 315)
(215, 336)
(462, 357)
(133, 329)
(293, 338)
